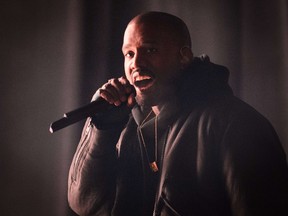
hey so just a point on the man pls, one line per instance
(176, 141)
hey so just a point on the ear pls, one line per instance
(186, 56)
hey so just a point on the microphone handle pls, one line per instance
(99, 105)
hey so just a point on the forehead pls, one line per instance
(137, 33)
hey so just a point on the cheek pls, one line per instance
(168, 67)
(127, 73)
(170, 60)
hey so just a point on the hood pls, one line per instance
(204, 80)
(201, 81)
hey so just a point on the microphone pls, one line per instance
(96, 106)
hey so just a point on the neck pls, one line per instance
(169, 106)
(169, 102)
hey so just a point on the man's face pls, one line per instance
(152, 62)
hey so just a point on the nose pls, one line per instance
(137, 61)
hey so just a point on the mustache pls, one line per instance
(142, 71)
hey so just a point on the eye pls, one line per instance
(129, 54)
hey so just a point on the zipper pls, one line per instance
(170, 207)
(143, 163)
(155, 212)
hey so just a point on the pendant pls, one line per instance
(154, 166)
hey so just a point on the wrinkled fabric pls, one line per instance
(217, 156)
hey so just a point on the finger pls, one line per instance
(131, 101)
(121, 91)
(106, 96)
(110, 94)
(128, 87)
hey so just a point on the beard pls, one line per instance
(157, 95)
(146, 100)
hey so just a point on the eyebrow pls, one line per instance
(146, 43)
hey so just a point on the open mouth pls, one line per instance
(143, 82)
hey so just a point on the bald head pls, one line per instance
(168, 23)
(156, 49)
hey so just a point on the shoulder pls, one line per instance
(230, 108)
(228, 113)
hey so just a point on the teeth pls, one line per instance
(141, 78)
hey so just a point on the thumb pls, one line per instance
(131, 101)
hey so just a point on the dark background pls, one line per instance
(56, 53)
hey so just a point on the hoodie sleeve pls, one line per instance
(91, 183)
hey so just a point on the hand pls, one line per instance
(117, 91)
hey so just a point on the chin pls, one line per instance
(154, 96)
(146, 100)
